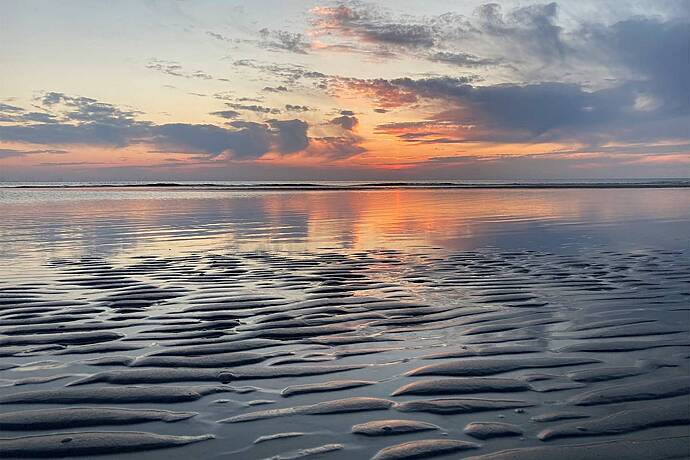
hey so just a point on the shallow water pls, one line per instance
(510, 304)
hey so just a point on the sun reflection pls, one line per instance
(125, 222)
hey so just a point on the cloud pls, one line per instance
(370, 24)
(175, 69)
(383, 92)
(347, 122)
(290, 135)
(87, 133)
(6, 108)
(244, 140)
(539, 112)
(10, 113)
(52, 98)
(531, 29)
(226, 114)
(281, 40)
(253, 108)
(287, 73)
(79, 108)
(296, 108)
(528, 43)
(336, 147)
(218, 36)
(552, 165)
(85, 121)
(276, 89)
(9, 153)
(462, 59)
(39, 117)
(249, 141)
(444, 38)
(650, 101)
(654, 52)
(597, 78)
(76, 120)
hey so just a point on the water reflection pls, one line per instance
(73, 223)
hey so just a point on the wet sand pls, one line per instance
(345, 324)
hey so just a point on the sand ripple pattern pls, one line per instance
(375, 354)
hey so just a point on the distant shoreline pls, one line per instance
(361, 186)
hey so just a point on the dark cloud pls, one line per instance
(76, 120)
(290, 135)
(539, 112)
(52, 98)
(276, 89)
(80, 109)
(345, 121)
(10, 113)
(244, 140)
(650, 101)
(254, 108)
(218, 36)
(462, 59)
(226, 114)
(281, 40)
(39, 117)
(370, 29)
(87, 133)
(296, 108)
(406, 34)
(85, 121)
(514, 112)
(371, 24)
(655, 53)
(385, 93)
(381, 91)
(6, 108)
(414, 136)
(531, 42)
(532, 29)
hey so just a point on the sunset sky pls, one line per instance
(310, 90)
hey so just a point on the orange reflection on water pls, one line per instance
(130, 222)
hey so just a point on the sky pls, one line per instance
(343, 90)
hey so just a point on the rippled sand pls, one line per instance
(384, 324)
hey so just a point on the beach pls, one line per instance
(490, 321)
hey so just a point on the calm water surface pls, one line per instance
(104, 222)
